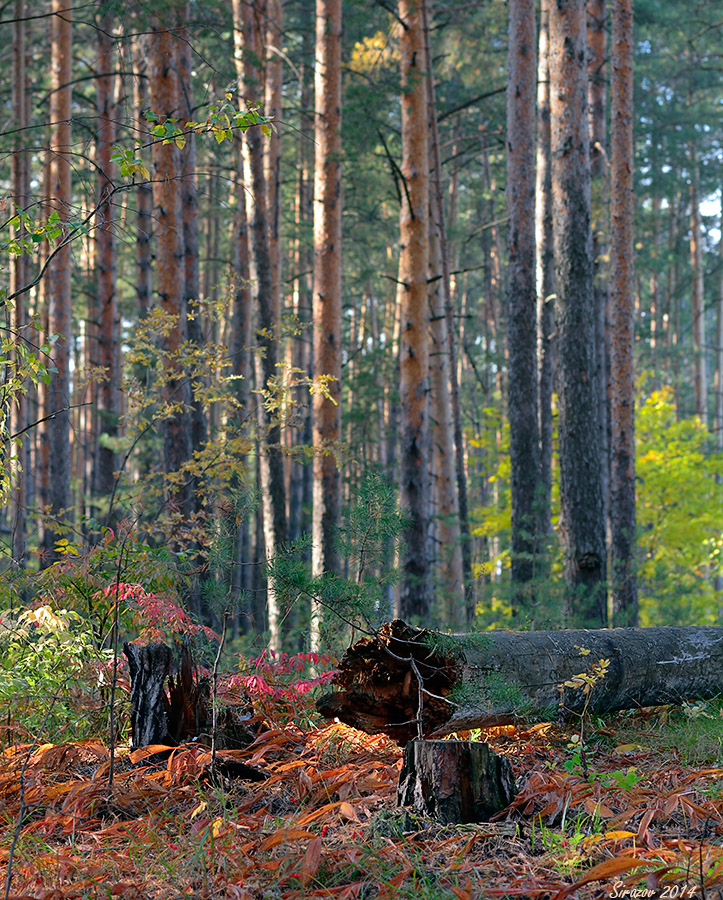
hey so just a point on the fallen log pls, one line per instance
(501, 677)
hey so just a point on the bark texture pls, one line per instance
(438, 222)
(545, 271)
(144, 191)
(170, 281)
(498, 677)
(247, 32)
(19, 455)
(521, 295)
(623, 576)
(105, 260)
(581, 499)
(454, 781)
(59, 270)
(700, 368)
(326, 302)
(415, 598)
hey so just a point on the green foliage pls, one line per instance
(51, 673)
(368, 539)
(680, 516)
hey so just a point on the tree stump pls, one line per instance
(454, 781)
(149, 666)
(170, 704)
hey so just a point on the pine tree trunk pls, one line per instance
(60, 268)
(545, 272)
(415, 598)
(521, 299)
(597, 103)
(438, 220)
(623, 574)
(19, 452)
(581, 498)
(273, 493)
(272, 149)
(176, 427)
(105, 261)
(144, 191)
(189, 206)
(327, 295)
(700, 369)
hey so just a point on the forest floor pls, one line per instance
(648, 817)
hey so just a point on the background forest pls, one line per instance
(206, 343)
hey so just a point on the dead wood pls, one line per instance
(500, 677)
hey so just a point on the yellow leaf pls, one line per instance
(199, 809)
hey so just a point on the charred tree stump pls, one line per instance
(149, 667)
(170, 704)
(455, 782)
(502, 677)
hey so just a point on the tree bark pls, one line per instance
(189, 207)
(455, 781)
(20, 457)
(176, 426)
(700, 369)
(60, 269)
(581, 499)
(415, 596)
(521, 299)
(497, 677)
(622, 381)
(597, 113)
(326, 302)
(105, 261)
(273, 494)
(438, 221)
(144, 191)
(545, 272)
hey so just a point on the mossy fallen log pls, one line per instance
(500, 677)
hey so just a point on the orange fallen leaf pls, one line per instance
(284, 836)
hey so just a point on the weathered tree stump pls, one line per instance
(149, 666)
(454, 781)
(170, 704)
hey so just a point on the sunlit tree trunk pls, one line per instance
(622, 337)
(545, 272)
(700, 369)
(439, 223)
(272, 148)
(327, 293)
(18, 279)
(521, 296)
(60, 268)
(170, 281)
(581, 499)
(247, 31)
(415, 599)
(105, 262)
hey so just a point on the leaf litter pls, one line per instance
(323, 824)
